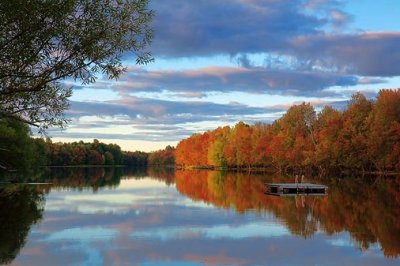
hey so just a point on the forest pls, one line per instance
(22, 153)
(363, 137)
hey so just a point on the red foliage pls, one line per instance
(366, 136)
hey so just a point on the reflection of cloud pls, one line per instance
(215, 232)
(133, 194)
(191, 235)
(217, 260)
(194, 204)
(88, 234)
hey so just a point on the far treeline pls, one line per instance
(365, 137)
(20, 152)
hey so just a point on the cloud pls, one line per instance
(189, 95)
(288, 27)
(258, 80)
(368, 54)
(134, 118)
(339, 18)
(146, 108)
(288, 49)
(190, 28)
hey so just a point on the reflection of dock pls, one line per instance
(293, 189)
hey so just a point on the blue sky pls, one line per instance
(220, 62)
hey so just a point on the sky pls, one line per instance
(221, 62)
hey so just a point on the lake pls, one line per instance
(164, 217)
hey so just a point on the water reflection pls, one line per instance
(20, 207)
(369, 211)
(160, 216)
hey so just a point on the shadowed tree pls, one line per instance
(43, 43)
(17, 149)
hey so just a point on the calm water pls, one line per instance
(119, 217)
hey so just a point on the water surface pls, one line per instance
(117, 217)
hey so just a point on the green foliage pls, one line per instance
(45, 42)
(98, 153)
(18, 151)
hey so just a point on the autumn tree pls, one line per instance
(382, 124)
(43, 43)
(351, 141)
(260, 140)
(240, 139)
(328, 127)
(165, 157)
(296, 135)
(218, 140)
(363, 137)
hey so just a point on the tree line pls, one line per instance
(365, 136)
(19, 151)
(44, 43)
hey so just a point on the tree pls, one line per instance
(108, 158)
(328, 127)
(17, 149)
(218, 141)
(296, 136)
(351, 142)
(162, 157)
(43, 43)
(95, 158)
(363, 137)
(241, 139)
(383, 137)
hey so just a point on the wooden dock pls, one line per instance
(294, 189)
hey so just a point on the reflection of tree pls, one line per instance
(368, 211)
(164, 174)
(20, 207)
(84, 178)
(95, 178)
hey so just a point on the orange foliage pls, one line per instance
(364, 137)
